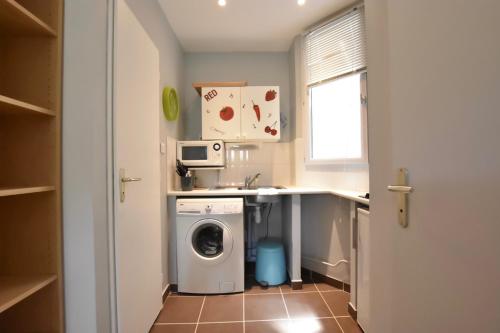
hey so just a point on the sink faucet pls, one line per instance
(251, 180)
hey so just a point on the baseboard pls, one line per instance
(166, 291)
(339, 271)
(352, 311)
(296, 285)
(327, 279)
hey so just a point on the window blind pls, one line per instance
(336, 48)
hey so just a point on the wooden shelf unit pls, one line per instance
(13, 106)
(10, 191)
(14, 289)
(15, 19)
(31, 293)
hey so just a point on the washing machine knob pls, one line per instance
(208, 208)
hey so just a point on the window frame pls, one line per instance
(363, 160)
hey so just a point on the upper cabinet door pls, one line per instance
(221, 116)
(260, 113)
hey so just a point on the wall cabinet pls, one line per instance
(249, 113)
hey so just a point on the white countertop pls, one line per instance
(351, 195)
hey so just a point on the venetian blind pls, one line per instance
(336, 48)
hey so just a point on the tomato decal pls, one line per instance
(227, 113)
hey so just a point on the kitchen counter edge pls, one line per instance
(351, 195)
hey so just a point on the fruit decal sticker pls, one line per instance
(271, 129)
(270, 95)
(227, 113)
(256, 108)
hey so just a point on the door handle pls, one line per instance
(123, 181)
(402, 189)
(128, 179)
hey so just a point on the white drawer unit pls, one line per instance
(363, 269)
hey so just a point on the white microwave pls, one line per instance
(201, 153)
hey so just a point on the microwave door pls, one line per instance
(194, 155)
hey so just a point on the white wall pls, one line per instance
(326, 235)
(85, 228)
(257, 68)
(325, 218)
(152, 18)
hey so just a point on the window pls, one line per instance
(335, 64)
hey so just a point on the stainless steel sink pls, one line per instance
(262, 188)
(261, 199)
(231, 187)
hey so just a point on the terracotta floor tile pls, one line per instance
(180, 310)
(222, 308)
(305, 305)
(348, 325)
(278, 326)
(220, 328)
(328, 325)
(337, 301)
(173, 328)
(259, 307)
(252, 287)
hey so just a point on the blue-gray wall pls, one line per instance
(85, 152)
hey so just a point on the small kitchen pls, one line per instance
(246, 135)
(243, 198)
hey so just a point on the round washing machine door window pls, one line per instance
(208, 240)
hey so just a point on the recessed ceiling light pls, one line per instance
(301, 2)
(221, 3)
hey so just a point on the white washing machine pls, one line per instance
(210, 245)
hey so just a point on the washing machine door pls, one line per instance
(210, 241)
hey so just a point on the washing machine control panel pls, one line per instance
(209, 207)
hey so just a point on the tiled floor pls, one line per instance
(317, 308)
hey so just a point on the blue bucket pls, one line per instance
(270, 268)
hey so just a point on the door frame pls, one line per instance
(110, 159)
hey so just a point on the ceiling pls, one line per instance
(244, 25)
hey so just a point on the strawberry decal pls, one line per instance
(270, 95)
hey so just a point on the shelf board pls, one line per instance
(14, 289)
(13, 106)
(199, 85)
(9, 191)
(17, 20)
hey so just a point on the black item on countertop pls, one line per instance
(182, 170)
(366, 196)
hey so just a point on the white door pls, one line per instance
(220, 108)
(137, 218)
(434, 85)
(260, 113)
